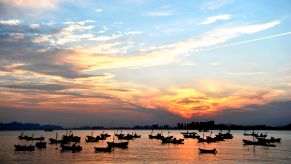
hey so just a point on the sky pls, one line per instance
(138, 62)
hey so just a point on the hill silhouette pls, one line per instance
(27, 126)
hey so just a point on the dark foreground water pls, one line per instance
(144, 150)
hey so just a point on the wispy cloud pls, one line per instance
(215, 4)
(165, 54)
(133, 32)
(75, 27)
(83, 22)
(211, 38)
(214, 19)
(252, 40)
(71, 33)
(245, 73)
(106, 54)
(105, 38)
(160, 13)
(99, 10)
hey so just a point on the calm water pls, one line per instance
(144, 150)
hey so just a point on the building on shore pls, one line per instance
(197, 125)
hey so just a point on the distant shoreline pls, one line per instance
(147, 130)
(17, 126)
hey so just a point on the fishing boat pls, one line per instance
(119, 134)
(103, 149)
(92, 139)
(210, 139)
(101, 137)
(24, 148)
(25, 137)
(118, 144)
(157, 136)
(208, 151)
(173, 141)
(136, 135)
(69, 137)
(260, 135)
(190, 134)
(219, 138)
(125, 137)
(167, 137)
(36, 139)
(259, 142)
(21, 136)
(226, 135)
(263, 140)
(247, 142)
(266, 140)
(268, 145)
(32, 138)
(106, 135)
(55, 140)
(272, 140)
(40, 145)
(200, 139)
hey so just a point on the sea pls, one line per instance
(144, 150)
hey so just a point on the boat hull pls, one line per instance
(24, 148)
(207, 151)
(103, 149)
(118, 144)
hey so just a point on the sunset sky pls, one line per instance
(136, 62)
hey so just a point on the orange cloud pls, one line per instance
(188, 102)
(89, 60)
(95, 93)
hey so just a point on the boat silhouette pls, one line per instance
(117, 144)
(103, 149)
(40, 144)
(30, 138)
(258, 143)
(190, 134)
(24, 148)
(69, 137)
(208, 151)
(172, 140)
(55, 140)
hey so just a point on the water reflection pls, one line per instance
(146, 150)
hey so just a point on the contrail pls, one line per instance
(252, 40)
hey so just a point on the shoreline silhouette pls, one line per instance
(210, 125)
